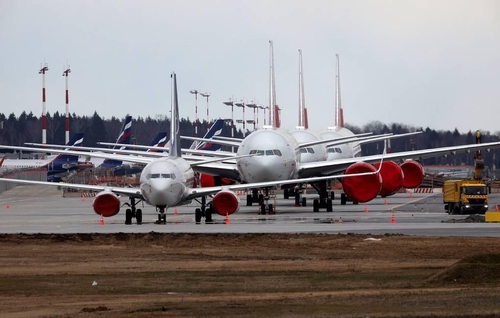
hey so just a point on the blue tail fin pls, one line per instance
(62, 162)
(126, 131)
(123, 138)
(215, 130)
(159, 141)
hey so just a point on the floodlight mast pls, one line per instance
(195, 92)
(44, 68)
(66, 129)
(230, 103)
(242, 105)
(207, 95)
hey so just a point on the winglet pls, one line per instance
(175, 137)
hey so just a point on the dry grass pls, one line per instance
(249, 275)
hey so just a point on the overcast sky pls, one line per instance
(422, 63)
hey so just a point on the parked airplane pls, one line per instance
(168, 182)
(56, 166)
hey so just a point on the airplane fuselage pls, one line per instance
(164, 181)
(275, 156)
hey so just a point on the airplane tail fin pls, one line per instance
(76, 140)
(159, 141)
(175, 137)
(215, 130)
(125, 132)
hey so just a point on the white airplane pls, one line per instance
(168, 182)
(278, 158)
(55, 166)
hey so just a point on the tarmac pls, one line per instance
(42, 209)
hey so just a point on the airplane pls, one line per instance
(168, 182)
(278, 158)
(56, 166)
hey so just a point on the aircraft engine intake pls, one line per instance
(207, 180)
(362, 188)
(106, 203)
(392, 177)
(226, 203)
(413, 173)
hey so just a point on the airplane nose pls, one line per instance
(163, 192)
(265, 168)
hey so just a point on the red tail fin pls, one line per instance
(277, 121)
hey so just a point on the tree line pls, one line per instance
(27, 128)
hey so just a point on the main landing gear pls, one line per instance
(263, 200)
(326, 196)
(205, 211)
(132, 212)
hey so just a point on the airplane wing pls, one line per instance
(198, 192)
(131, 192)
(330, 167)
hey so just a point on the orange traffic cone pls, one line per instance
(411, 195)
(393, 219)
(7, 206)
(83, 198)
(227, 221)
(175, 211)
(101, 221)
(496, 208)
(385, 201)
(366, 208)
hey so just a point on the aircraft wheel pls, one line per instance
(262, 209)
(197, 215)
(332, 195)
(329, 207)
(286, 195)
(208, 215)
(128, 216)
(316, 205)
(343, 199)
(249, 200)
(271, 210)
(304, 201)
(138, 216)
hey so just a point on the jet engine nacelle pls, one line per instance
(413, 173)
(392, 177)
(225, 203)
(106, 203)
(207, 180)
(362, 188)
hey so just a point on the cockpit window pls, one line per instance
(334, 150)
(310, 150)
(268, 152)
(161, 175)
(303, 150)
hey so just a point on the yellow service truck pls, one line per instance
(465, 196)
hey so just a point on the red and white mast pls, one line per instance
(66, 129)
(302, 99)
(44, 68)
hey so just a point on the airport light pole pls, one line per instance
(242, 105)
(230, 103)
(252, 105)
(66, 74)
(208, 117)
(44, 68)
(195, 92)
